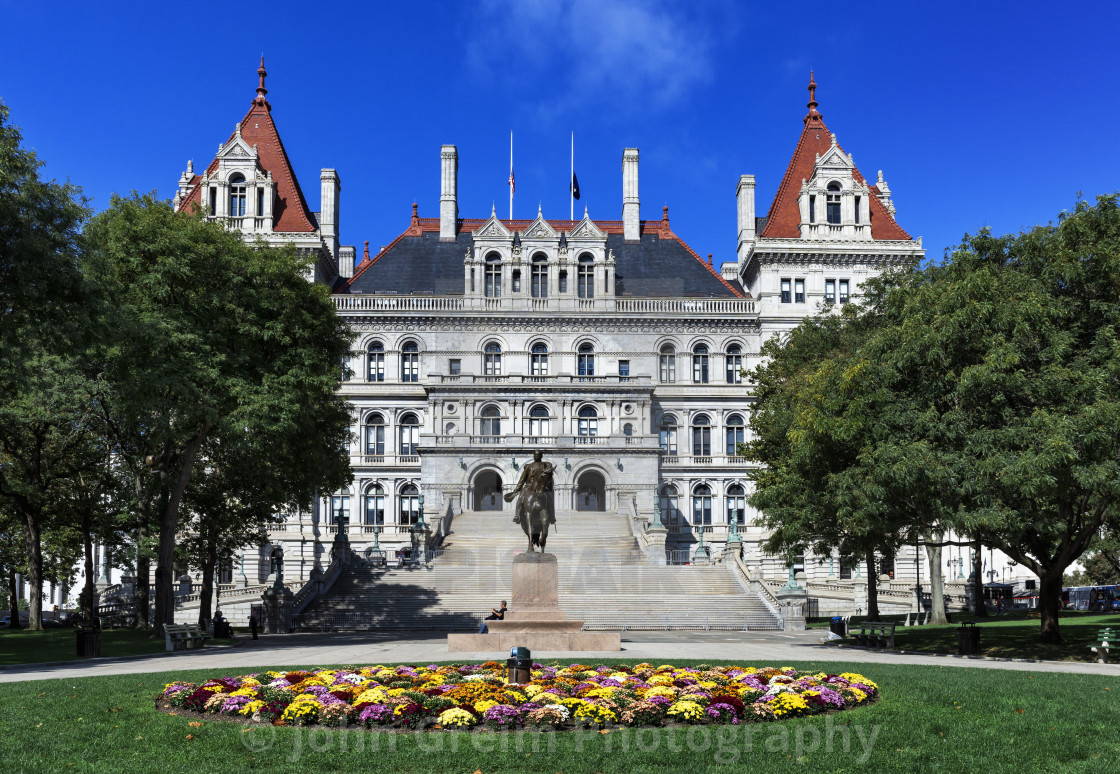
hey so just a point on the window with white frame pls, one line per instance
(585, 359)
(540, 424)
(492, 359)
(668, 364)
(375, 359)
(408, 503)
(410, 362)
(734, 361)
(375, 434)
(830, 291)
(538, 360)
(701, 436)
(735, 434)
(843, 291)
(786, 293)
(799, 291)
(833, 197)
(490, 424)
(585, 282)
(588, 424)
(670, 506)
(736, 505)
(408, 436)
(375, 505)
(539, 286)
(702, 505)
(340, 509)
(493, 281)
(700, 364)
(668, 433)
(237, 196)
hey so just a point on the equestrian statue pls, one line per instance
(534, 510)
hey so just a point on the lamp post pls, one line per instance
(701, 551)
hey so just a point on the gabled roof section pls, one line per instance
(290, 212)
(783, 221)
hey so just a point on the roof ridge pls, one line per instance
(783, 187)
(361, 269)
(705, 264)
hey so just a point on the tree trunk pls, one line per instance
(872, 589)
(1049, 603)
(937, 584)
(169, 525)
(143, 578)
(979, 608)
(209, 560)
(88, 609)
(34, 573)
(13, 598)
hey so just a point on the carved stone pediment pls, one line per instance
(492, 229)
(540, 229)
(587, 230)
(834, 158)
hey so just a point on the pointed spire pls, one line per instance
(261, 90)
(365, 253)
(813, 114)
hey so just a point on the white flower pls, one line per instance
(559, 708)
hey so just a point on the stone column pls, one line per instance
(793, 603)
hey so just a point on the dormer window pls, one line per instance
(539, 285)
(586, 286)
(493, 276)
(237, 196)
(834, 203)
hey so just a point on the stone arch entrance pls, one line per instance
(591, 492)
(486, 492)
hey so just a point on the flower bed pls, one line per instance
(470, 696)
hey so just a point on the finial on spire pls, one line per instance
(261, 90)
(813, 114)
(365, 254)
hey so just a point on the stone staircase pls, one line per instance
(604, 581)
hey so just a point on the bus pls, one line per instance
(1098, 598)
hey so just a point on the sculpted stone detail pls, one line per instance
(534, 510)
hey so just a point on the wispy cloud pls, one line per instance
(622, 53)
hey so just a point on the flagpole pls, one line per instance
(571, 186)
(511, 173)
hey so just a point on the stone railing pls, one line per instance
(512, 441)
(225, 591)
(666, 306)
(563, 380)
(316, 587)
(758, 586)
(708, 461)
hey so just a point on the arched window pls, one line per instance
(340, 509)
(410, 362)
(375, 505)
(701, 436)
(237, 196)
(538, 360)
(409, 504)
(628, 430)
(700, 364)
(540, 423)
(668, 431)
(585, 283)
(376, 360)
(588, 424)
(408, 435)
(490, 424)
(585, 359)
(736, 505)
(493, 284)
(492, 359)
(670, 505)
(539, 286)
(375, 434)
(668, 364)
(735, 434)
(702, 505)
(734, 360)
(833, 201)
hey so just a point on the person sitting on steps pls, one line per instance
(496, 614)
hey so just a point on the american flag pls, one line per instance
(512, 187)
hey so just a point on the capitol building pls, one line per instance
(610, 345)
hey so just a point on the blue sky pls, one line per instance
(979, 113)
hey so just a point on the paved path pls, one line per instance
(772, 648)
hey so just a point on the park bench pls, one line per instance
(875, 635)
(180, 636)
(1105, 637)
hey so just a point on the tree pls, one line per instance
(13, 556)
(207, 328)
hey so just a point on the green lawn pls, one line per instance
(1011, 636)
(930, 719)
(24, 647)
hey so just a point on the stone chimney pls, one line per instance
(448, 192)
(631, 219)
(744, 195)
(328, 209)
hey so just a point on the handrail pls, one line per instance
(375, 302)
(254, 590)
(757, 586)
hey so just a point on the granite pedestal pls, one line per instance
(535, 619)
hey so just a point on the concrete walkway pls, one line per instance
(759, 648)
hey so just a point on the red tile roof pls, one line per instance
(289, 210)
(784, 219)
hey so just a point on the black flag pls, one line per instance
(575, 186)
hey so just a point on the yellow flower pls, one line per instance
(660, 680)
(374, 696)
(662, 690)
(533, 690)
(395, 691)
(620, 676)
(485, 704)
(251, 707)
(546, 698)
(689, 710)
(853, 677)
(244, 692)
(456, 717)
(860, 695)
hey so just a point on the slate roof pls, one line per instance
(784, 219)
(659, 265)
(289, 210)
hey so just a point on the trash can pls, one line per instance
(968, 639)
(518, 666)
(89, 643)
(836, 626)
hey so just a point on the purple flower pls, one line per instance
(502, 715)
(664, 701)
(376, 713)
(721, 711)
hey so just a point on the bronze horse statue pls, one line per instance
(534, 505)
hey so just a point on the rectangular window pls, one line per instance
(472, 280)
(812, 209)
(213, 201)
(799, 291)
(857, 209)
(830, 291)
(845, 569)
(340, 509)
(454, 366)
(517, 282)
(260, 202)
(843, 291)
(786, 291)
(624, 369)
(563, 282)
